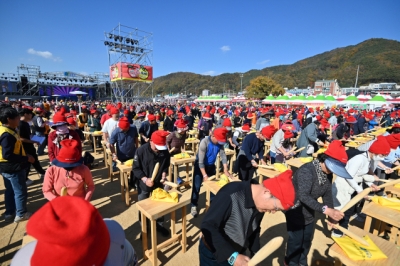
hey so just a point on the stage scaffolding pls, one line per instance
(29, 79)
(133, 46)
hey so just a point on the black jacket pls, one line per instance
(144, 162)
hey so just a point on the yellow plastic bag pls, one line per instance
(160, 194)
(129, 162)
(280, 167)
(182, 155)
(397, 185)
(97, 132)
(392, 203)
(306, 159)
(223, 180)
(321, 150)
(356, 251)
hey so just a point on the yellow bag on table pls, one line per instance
(160, 194)
(306, 159)
(356, 251)
(280, 167)
(129, 162)
(397, 185)
(321, 150)
(97, 132)
(392, 203)
(182, 155)
(223, 180)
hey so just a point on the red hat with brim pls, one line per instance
(159, 138)
(69, 155)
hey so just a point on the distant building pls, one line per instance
(348, 91)
(326, 87)
(382, 86)
(205, 93)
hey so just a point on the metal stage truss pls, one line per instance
(129, 48)
(29, 80)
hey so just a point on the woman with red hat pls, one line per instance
(205, 125)
(312, 181)
(68, 172)
(360, 166)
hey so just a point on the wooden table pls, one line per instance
(294, 163)
(230, 155)
(267, 173)
(109, 159)
(174, 166)
(390, 250)
(211, 186)
(193, 133)
(153, 210)
(124, 175)
(93, 136)
(392, 191)
(382, 214)
(194, 143)
(267, 147)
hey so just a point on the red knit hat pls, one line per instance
(69, 155)
(71, 121)
(337, 151)
(159, 138)
(281, 187)
(268, 132)
(170, 112)
(69, 231)
(250, 115)
(245, 128)
(396, 126)
(119, 105)
(287, 126)
(207, 116)
(227, 123)
(393, 140)
(288, 135)
(181, 125)
(151, 117)
(351, 120)
(380, 146)
(124, 123)
(114, 111)
(220, 135)
(126, 112)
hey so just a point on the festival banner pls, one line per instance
(132, 72)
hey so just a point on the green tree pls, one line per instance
(261, 86)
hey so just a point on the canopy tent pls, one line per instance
(341, 97)
(352, 99)
(239, 99)
(377, 101)
(270, 99)
(212, 99)
(282, 99)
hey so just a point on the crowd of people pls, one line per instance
(150, 133)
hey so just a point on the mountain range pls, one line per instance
(379, 61)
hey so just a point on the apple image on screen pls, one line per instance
(144, 74)
(133, 71)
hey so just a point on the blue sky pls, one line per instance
(204, 37)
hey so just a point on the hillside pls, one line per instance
(379, 61)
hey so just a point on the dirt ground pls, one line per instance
(108, 200)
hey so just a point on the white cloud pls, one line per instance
(44, 54)
(209, 73)
(263, 62)
(225, 48)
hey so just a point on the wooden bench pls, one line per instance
(93, 138)
(194, 144)
(174, 167)
(262, 172)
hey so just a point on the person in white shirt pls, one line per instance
(361, 168)
(110, 124)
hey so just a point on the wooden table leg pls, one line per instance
(176, 174)
(394, 231)
(127, 192)
(154, 242)
(218, 166)
(94, 144)
(187, 172)
(170, 173)
(121, 179)
(183, 229)
(367, 225)
(208, 199)
(377, 224)
(231, 164)
(144, 235)
(173, 223)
